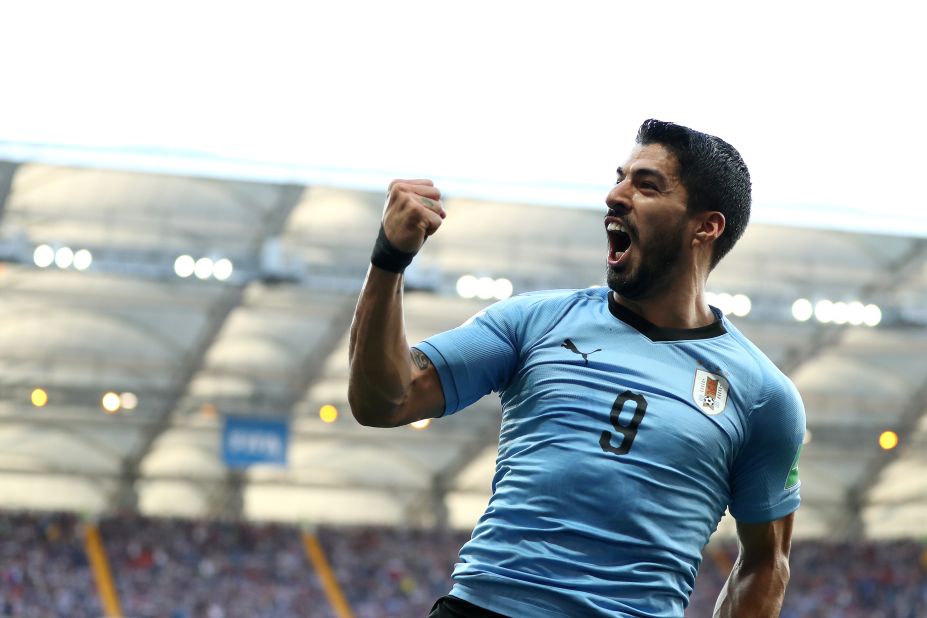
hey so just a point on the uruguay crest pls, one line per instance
(710, 392)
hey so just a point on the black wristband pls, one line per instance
(388, 257)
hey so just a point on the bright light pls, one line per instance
(223, 269)
(203, 268)
(466, 286)
(64, 257)
(725, 302)
(328, 413)
(807, 438)
(502, 288)
(856, 313)
(888, 440)
(485, 288)
(128, 401)
(422, 424)
(43, 256)
(111, 403)
(824, 311)
(711, 298)
(83, 259)
(183, 266)
(841, 312)
(39, 397)
(872, 315)
(741, 305)
(802, 310)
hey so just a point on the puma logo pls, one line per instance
(569, 345)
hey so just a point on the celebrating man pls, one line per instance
(633, 416)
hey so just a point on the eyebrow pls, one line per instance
(643, 171)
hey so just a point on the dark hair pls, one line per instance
(713, 173)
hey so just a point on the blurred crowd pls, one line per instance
(170, 568)
(44, 569)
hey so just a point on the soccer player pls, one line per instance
(632, 415)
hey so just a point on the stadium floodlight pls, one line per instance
(466, 286)
(872, 315)
(841, 312)
(43, 256)
(328, 413)
(485, 288)
(422, 424)
(741, 305)
(39, 397)
(502, 288)
(824, 311)
(802, 310)
(128, 401)
(223, 269)
(856, 313)
(64, 257)
(209, 410)
(725, 302)
(888, 440)
(203, 268)
(183, 266)
(83, 259)
(111, 402)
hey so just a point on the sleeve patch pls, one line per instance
(792, 479)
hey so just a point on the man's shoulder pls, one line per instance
(544, 304)
(770, 380)
(565, 294)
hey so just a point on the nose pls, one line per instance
(618, 198)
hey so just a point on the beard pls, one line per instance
(656, 264)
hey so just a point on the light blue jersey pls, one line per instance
(621, 446)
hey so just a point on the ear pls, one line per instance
(709, 226)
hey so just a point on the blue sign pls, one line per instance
(247, 441)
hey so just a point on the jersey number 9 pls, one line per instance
(629, 431)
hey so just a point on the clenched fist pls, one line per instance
(413, 212)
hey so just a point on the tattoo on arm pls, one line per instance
(421, 361)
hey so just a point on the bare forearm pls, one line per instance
(756, 591)
(380, 373)
(384, 388)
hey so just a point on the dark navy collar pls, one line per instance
(658, 333)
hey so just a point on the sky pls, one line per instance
(528, 102)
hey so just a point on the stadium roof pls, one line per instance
(270, 342)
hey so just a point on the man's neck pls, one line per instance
(676, 307)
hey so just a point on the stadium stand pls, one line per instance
(175, 568)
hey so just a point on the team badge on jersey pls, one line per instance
(710, 392)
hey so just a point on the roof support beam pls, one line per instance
(182, 379)
(859, 496)
(7, 172)
(274, 222)
(228, 501)
(827, 336)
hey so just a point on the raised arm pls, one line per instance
(756, 585)
(389, 384)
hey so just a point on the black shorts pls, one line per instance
(452, 607)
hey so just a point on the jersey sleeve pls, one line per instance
(477, 357)
(765, 484)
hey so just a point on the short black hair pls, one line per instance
(713, 173)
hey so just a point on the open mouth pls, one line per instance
(619, 241)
